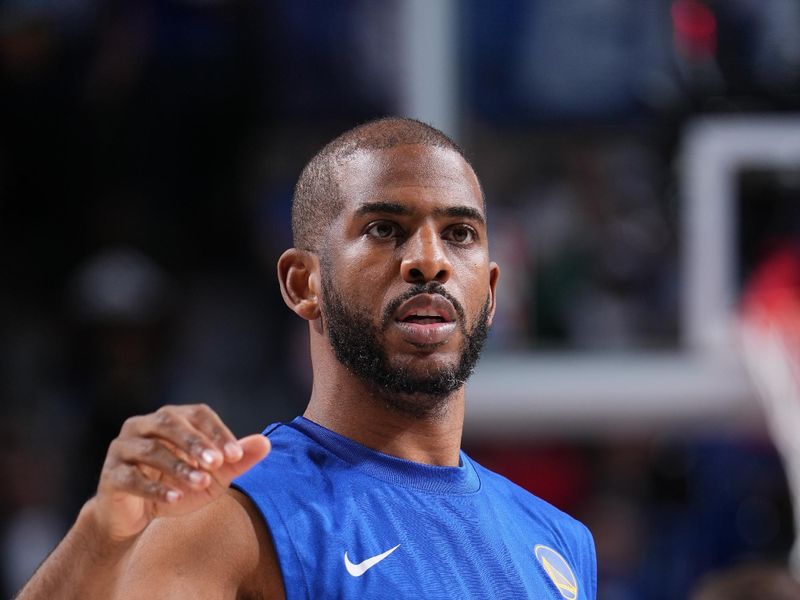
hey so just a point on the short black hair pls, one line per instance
(317, 202)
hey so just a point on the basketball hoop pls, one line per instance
(769, 334)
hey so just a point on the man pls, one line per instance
(368, 494)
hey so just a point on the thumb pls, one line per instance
(255, 448)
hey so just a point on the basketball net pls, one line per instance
(769, 332)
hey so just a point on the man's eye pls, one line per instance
(383, 230)
(460, 234)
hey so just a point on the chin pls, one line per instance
(424, 367)
(418, 405)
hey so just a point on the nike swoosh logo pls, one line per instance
(364, 566)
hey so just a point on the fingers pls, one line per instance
(154, 454)
(255, 448)
(207, 421)
(127, 478)
(171, 477)
(184, 448)
(177, 452)
(195, 430)
(169, 463)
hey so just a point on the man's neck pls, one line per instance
(350, 408)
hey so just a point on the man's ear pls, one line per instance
(494, 275)
(298, 275)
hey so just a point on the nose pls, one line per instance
(425, 258)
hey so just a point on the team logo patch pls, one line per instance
(558, 570)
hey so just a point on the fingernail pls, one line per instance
(196, 477)
(233, 450)
(208, 456)
(173, 496)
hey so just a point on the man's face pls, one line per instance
(408, 289)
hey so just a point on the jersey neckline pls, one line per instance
(419, 476)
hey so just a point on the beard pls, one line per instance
(356, 343)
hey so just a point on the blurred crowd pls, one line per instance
(148, 151)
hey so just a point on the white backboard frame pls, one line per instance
(702, 385)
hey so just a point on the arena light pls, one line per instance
(694, 29)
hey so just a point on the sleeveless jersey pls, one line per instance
(349, 522)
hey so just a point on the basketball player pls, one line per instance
(367, 495)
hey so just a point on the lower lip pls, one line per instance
(425, 334)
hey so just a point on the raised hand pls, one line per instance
(169, 463)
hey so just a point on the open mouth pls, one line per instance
(426, 319)
(426, 308)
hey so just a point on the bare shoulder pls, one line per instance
(222, 550)
(265, 582)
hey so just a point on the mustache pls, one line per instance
(432, 287)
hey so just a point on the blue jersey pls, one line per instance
(350, 522)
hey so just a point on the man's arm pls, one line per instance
(220, 552)
(162, 502)
(85, 562)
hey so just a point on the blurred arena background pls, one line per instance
(641, 159)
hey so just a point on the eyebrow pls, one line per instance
(393, 208)
(466, 212)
